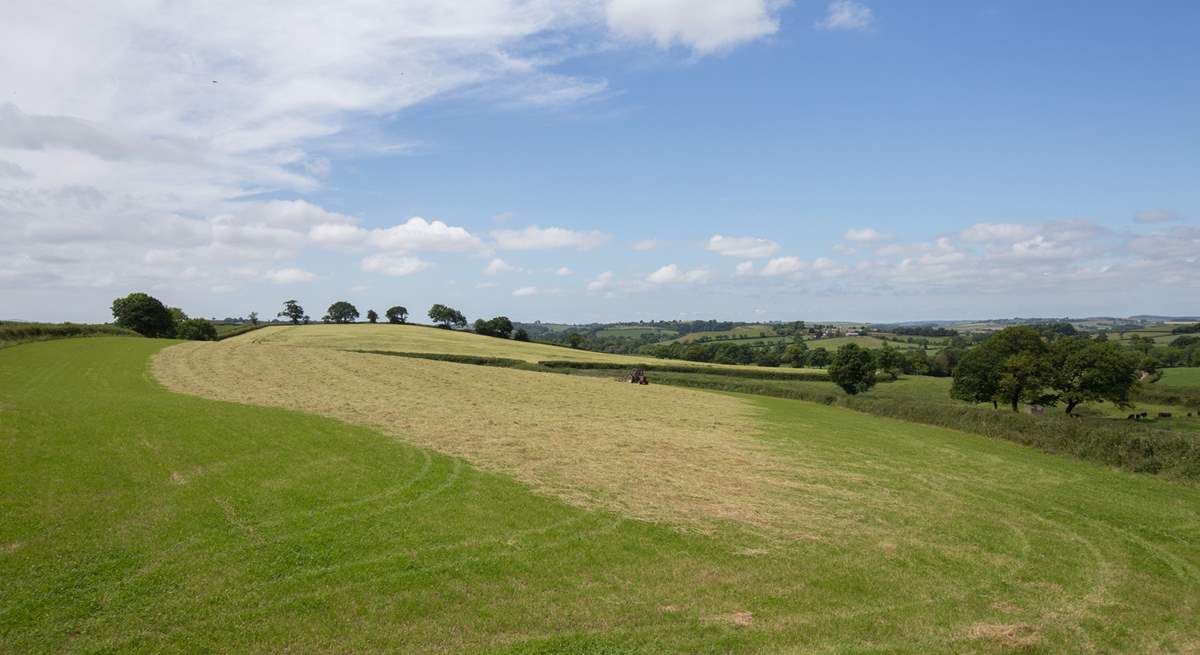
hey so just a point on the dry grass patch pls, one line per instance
(656, 453)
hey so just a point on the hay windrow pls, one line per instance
(655, 453)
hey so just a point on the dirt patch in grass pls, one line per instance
(1015, 636)
(656, 453)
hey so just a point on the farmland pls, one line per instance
(427, 340)
(318, 513)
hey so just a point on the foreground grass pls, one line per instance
(132, 519)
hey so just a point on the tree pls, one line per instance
(372, 316)
(890, 361)
(253, 318)
(819, 357)
(396, 314)
(447, 317)
(342, 312)
(1084, 370)
(1007, 367)
(853, 369)
(293, 311)
(143, 314)
(499, 326)
(521, 335)
(573, 339)
(197, 329)
(796, 354)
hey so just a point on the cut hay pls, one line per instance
(655, 453)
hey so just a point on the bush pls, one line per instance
(14, 333)
(197, 329)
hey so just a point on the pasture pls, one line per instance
(739, 332)
(1180, 378)
(387, 518)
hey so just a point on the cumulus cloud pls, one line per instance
(538, 238)
(227, 111)
(562, 271)
(646, 244)
(744, 247)
(846, 15)
(702, 27)
(288, 276)
(498, 266)
(782, 266)
(392, 264)
(1156, 216)
(744, 268)
(673, 274)
(980, 232)
(601, 282)
(525, 291)
(865, 235)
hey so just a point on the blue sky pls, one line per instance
(605, 160)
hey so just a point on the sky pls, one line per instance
(602, 160)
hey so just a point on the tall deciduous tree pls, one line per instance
(853, 369)
(144, 314)
(372, 316)
(293, 312)
(342, 312)
(396, 314)
(447, 317)
(1086, 370)
(1010, 366)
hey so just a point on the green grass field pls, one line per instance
(634, 331)
(137, 520)
(1180, 378)
(739, 332)
(833, 343)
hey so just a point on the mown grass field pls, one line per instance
(634, 331)
(134, 519)
(739, 332)
(429, 340)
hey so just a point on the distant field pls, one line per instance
(423, 339)
(833, 343)
(135, 519)
(1182, 378)
(634, 331)
(740, 332)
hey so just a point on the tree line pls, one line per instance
(1017, 365)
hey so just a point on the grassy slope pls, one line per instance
(424, 339)
(137, 520)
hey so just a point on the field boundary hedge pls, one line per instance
(767, 373)
(12, 334)
(221, 336)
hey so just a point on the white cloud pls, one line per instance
(1156, 216)
(782, 266)
(498, 266)
(846, 15)
(647, 244)
(980, 232)
(420, 235)
(672, 274)
(525, 291)
(865, 235)
(11, 170)
(743, 269)
(391, 264)
(601, 282)
(288, 276)
(538, 238)
(562, 271)
(744, 247)
(703, 27)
